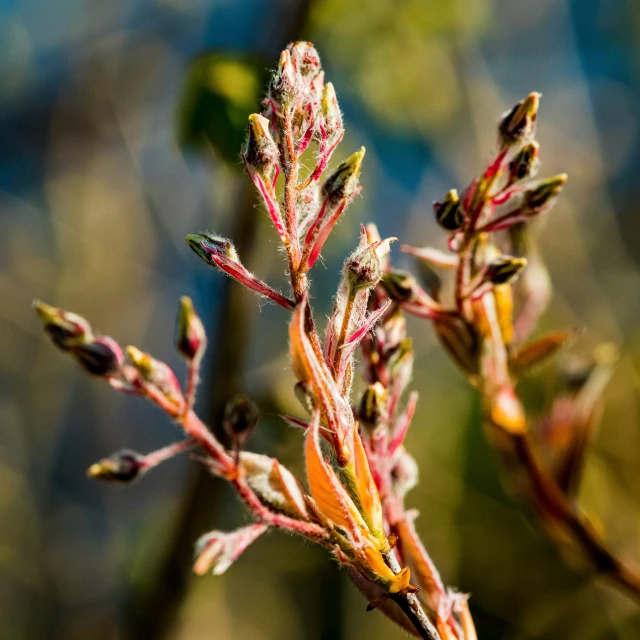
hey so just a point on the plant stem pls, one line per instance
(411, 606)
(553, 504)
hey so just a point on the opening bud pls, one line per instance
(372, 410)
(206, 245)
(504, 269)
(546, 192)
(124, 467)
(518, 125)
(240, 418)
(343, 182)
(155, 373)
(525, 164)
(449, 212)
(284, 84)
(363, 269)
(65, 329)
(260, 150)
(191, 338)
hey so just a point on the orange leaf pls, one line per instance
(326, 490)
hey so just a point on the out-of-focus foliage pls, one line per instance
(219, 91)
(401, 56)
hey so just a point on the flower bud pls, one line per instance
(240, 417)
(399, 285)
(545, 192)
(363, 269)
(525, 163)
(518, 125)
(504, 269)
(372, 410)
(305, 59)
(70, 332)
(155, 373)
(284, 84)
(449, 212)
(207, 244)
(260, 151)
(191, 339)
(124, 466)
(101, 356)
(343, 182)
(331, 112)
(65, 329)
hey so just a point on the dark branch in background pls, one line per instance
(153, 607)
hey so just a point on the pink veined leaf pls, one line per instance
(354, 339)
(245, 277)
(319, 217)
(272, 206)
(324, 232)
(400, 432)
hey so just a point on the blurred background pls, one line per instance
(120, 127)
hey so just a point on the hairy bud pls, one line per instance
(449, 212)
(504, 269)
(518, 125)
(260, 150)
(284, 84)
(124, 467)
(191, 339)
(363, 270)
(344, 181)
(331, 113)
(305, 59)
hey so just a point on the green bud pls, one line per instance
(518, 125)
(545, 192)
(260, 150)
(505, 269)
(344, 182)
(331, 112)
(206, 244)
(449, 212)
(525, 163)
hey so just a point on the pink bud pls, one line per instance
(191, 339)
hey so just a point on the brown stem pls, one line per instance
(410, 604)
